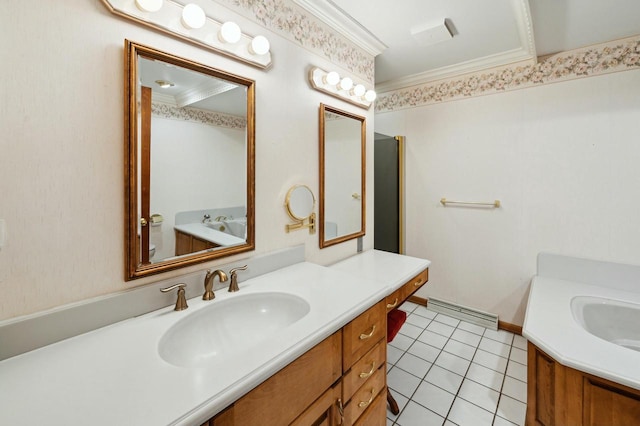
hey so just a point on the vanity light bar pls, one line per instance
(190, 23)
(341, 87)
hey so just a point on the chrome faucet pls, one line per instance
(233, 286)
(206, 218)
(208, 283)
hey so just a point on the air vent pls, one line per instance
(473, 316)
(432, 33)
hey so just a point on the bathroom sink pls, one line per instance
(229, 326)
(612, 320)
(235, 227)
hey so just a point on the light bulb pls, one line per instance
(370, 96)
(193, 16)
(332, 78)
(149, 5)
(358, 90)
(259, 45)
(229, 33)
(346, 84)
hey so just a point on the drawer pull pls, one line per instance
(373, 368)
(364, 336)
(392, 305)
(340, 410)
(418, 282)
(362, 404)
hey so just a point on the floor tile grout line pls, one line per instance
(440, 350)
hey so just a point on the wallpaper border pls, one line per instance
(615, 56)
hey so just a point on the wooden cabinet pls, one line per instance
(340, 381)
(396, 298)
(559, 395)
(187, 243)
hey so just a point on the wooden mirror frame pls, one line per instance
(340, 239)
(133, 267)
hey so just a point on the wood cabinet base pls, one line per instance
(559, 395)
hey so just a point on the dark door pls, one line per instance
(387, 228)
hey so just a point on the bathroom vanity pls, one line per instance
(327, 363)
(583, 357)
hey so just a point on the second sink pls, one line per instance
(229, 326)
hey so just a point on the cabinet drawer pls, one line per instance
(363, 369)
(362, 333)
(376, 414)
(364, 397)
(280, 399)
(396, 298)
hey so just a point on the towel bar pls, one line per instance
(494, 204)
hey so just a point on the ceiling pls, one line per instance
(484, 34)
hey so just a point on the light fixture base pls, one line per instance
(317, 78)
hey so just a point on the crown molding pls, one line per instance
(336, 18)
(491, 61)
(525, 54)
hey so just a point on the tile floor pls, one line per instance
(443, 371)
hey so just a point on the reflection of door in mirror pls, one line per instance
(197, 141)
(191, 139)
(342, 195)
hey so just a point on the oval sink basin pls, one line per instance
(612, 320)
(229, 326)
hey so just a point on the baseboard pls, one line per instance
(418, 300)
(502, 325)
(515, 329)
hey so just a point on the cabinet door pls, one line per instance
(604, 404)
(324, 412)
(280, 399)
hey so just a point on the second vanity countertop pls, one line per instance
(115, 376)
(212, 235)
(549, 324)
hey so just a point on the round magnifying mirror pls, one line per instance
(300, 202)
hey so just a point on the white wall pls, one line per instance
(61, 150)
(196, 166)
(563, 159)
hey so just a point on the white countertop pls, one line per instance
(549, 324)
(213, 235)
(114, 375)
(391, 269)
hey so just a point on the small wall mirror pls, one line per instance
(190, 162)
(342, 176)
(300, 204)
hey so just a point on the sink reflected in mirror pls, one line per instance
(611, 320)
(229, 326)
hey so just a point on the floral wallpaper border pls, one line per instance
(295, 24)
(217, 119)
(620, 55)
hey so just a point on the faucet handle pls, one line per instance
(234, 278)
(181, 303)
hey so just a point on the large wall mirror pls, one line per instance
(342, 176)
(190, 162)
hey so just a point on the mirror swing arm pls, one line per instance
(311, 224)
